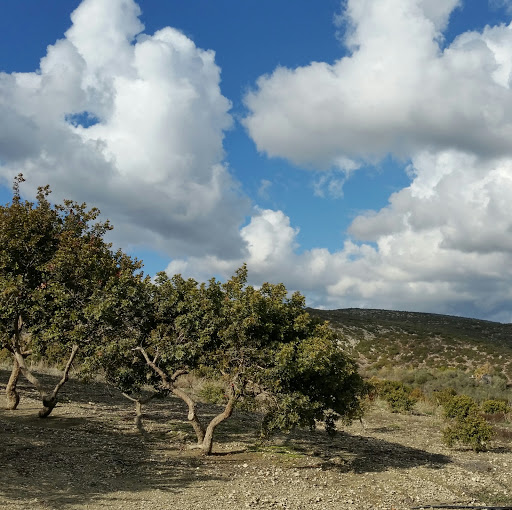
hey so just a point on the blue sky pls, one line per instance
(356, 151)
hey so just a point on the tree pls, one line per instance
(29, 238)
(260, 343)
(64, 289)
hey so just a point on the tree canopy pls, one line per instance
(63, 288)
(261, 344)
(67, 296)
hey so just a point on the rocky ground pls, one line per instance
(88, 456)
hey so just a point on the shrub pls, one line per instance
(441, 397)
(212, 393)
(495, 407)
(460, 407)
(472, 430)
(396, 394)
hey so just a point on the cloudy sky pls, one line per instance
(358, 151)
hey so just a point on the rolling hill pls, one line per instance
(387, 340)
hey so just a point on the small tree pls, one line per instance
(63, 288)
(29, 239)
(261, 344)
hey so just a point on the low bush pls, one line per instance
(472, 430)
(398, 396)
(466, 426)
(459, 407)
(441, 397)
(495, 407)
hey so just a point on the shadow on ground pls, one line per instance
(361, 454)
(88, 448)
(65, 461)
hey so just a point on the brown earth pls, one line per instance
(88, 456)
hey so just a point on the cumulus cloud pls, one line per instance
(396, 92)
(443, 243)
(132, 123)
(412, 268)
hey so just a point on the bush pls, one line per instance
(212, 393)
(495, 407)
(471, 430)
(460, 407)
(396, 394)
(442, 397)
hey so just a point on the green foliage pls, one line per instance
(466, 425)
(472, 430)
(495, 406)
(212, 393)
(62, 288)
(442, 397)
(398, 396)
(265, 350)
(459, 407)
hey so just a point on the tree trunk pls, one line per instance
(208, 436)
(49, 400)
(192, 414)
(168, 383)
(139, 402)
(12, 397)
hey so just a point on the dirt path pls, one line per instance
(87, 456)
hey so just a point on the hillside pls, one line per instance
(382, 339)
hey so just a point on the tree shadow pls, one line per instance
(88, 448)
(65, 461)
(363, 454)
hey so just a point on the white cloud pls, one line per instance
(442, 244)
(153, 163)
(397, 92)
(505, 4)
(265, 185)
(329, 184)
(419, 267)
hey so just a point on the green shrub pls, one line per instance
(471, 430)
(396, 394)
(495, 407)
(459, 407)
(441, 397)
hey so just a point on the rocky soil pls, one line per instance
(88, 456)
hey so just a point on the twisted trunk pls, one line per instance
(208, 436)
(49, 399)
(12, 397)
(192, 415)
(168, 383)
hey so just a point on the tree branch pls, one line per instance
(155, 367)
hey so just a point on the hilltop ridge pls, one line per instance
(380, 338)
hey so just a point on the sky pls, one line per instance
(358, 151)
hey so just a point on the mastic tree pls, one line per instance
(28, 238)
(263, 346)
(64, 290)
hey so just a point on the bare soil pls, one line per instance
(88, 455)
